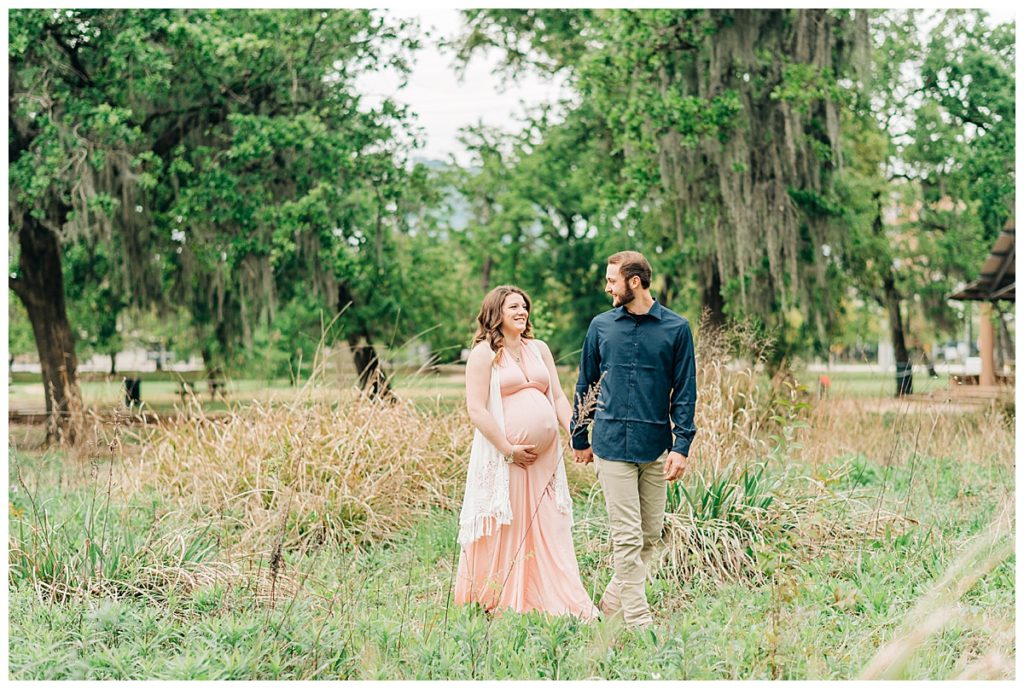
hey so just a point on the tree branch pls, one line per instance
(73, 57)
(154, 116)
(931, 224)
(312, 41)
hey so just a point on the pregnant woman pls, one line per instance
(516, 522)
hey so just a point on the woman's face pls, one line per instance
(514, 314)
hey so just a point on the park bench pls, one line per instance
(215, 388)
(970, 379)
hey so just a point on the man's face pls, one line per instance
(616, 287)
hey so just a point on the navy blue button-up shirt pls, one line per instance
(650, 379)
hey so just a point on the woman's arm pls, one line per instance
(478, 390)
(563, 410)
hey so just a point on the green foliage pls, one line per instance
(678, 114)
(534, 219)
(20, 339)
(220, 160)
(95, 300)
(217, 171)
(383, 611)
(967, 74)
(541, 39)
(82, 544)
(729, 494)
(917, 136)
(287, 347)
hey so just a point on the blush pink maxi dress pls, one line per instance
(530, 563)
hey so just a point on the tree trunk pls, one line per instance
(669, 293)
(40, 286)
(113, 364)
(1006, 345)
(904, 373)
(485, 274)
(891, 303)
(373, 379)
(711, 295)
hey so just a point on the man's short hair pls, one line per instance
(632, 264)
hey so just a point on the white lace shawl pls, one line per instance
(487, 501)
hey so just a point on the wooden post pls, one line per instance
(986, 343)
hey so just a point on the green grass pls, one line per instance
(383, 611)
(161, 394)
(857, 384)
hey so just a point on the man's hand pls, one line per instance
(675, 463)
(584, 456)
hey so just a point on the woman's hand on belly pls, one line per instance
(524, 455)
(539, 435)
(530, 420)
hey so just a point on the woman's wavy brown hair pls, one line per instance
(489, 318)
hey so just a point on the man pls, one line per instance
(645, 354)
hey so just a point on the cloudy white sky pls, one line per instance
(444, 103)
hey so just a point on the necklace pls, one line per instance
(517, 359)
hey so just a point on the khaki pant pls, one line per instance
(635, 496)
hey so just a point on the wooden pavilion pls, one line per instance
(995, 283)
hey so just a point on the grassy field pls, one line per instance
(870, 384)
(163, 395)
(311, 538)
(382, 611)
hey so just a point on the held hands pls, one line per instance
(584, 456)
(523, 455)
(675, 463)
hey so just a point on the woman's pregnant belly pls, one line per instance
(529, 419)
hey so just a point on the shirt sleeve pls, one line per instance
(684, 392)
(590, 374)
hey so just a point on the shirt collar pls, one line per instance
(655, 311)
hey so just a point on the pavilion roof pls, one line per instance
(996, 280)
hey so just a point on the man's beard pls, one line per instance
(625, 298)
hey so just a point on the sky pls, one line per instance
(443, 103)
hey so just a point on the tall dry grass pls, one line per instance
(893, 431)
(309, 472)
(738, 409)
(736, 495)
(762, 468)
